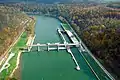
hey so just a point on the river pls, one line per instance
(52, 65)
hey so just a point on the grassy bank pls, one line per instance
(16, 49)
(20, 44)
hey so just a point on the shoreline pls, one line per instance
(30, 40)
(6, 53)
(16, 71)
(17, 64)
(13, 74)
(18, 54)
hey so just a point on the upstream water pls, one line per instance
(52, 65)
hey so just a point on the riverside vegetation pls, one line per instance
(15, 26)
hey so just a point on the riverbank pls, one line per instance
(5, 73)
(17, 63)
(17, 70)
(4, 57)
(16, 48)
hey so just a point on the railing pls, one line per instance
(56, 44)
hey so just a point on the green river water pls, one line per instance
(52, 65)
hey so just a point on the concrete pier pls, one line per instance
(31, 43)
(60, 33)
(38, 48)
(77, 66)
(48, 46)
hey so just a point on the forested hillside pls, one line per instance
(11, 25)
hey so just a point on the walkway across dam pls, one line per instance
(57, 46)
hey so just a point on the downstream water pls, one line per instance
(52, 65)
